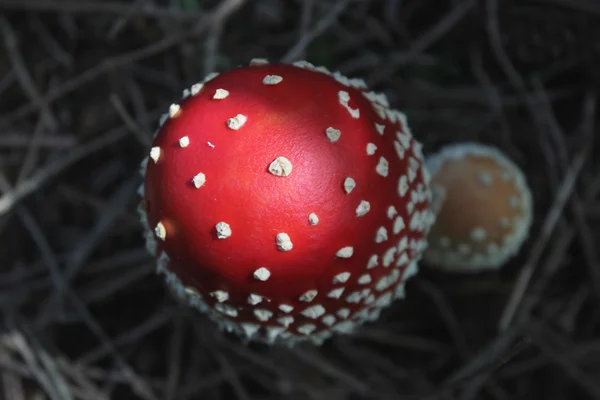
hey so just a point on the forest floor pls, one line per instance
(82, 86)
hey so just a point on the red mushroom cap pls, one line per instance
(285, 201)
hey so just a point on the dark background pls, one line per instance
(82, 84)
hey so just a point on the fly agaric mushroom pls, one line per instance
(285, 201)
(483, 207)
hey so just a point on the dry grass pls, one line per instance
(82, 84)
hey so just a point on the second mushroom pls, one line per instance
(483, 206)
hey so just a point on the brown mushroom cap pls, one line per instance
(483, 207)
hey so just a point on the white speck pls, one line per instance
(196, 88)
(390, 280)
(185, 94)
(381, 235)
(160, 231)
(328, 320)
(192, 292)
(399, 149)
(262, 274)
(226, 309)
(144, 166)
(220, 295)
(323, 70)
(333, 134)
(370, 300)
(250, 329)
(412, 174)
(383, 167)
(384, 283)
(343, 312)
(262, 314)
(388, 256)
(391, 212)
(184, 142)
(254, 299)
(303, 64)
(314, 312)
(358, 83)
(286, 308)
(341, 78)
(445, 242)
(212, 146)
(485, 178)
(363, 208)
(379, 109)
(336, 293)
(342, 277)
(478, 234)
(413, 165)
(308, 296)
(380, 128)
(210, 76)
(418, 150)
(410, 207)
(280, 167)
(286, 320)
(398, 225)
(349, 184)
(402, 260)
(344, 98)
(345, 252)
(237, 122)
(272, 79)
(415, 196)
(426, 176)
(220, 94)
(416, 222)
(385, 300)
(354, 297)
(404, 139)
(403, 186)
(364, 279)
(199, 180)
(402, 244)
(223, 230)
(306, 329)
(313, 219)
(381, 98)
(273, 332)
(373, 261)
(174, 110)
(283, 241)
(155, 154)
(163, 118)
(258, 61)
(150, 243)
(371, 149)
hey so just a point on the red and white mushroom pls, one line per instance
(483, 207)
(285, 201)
